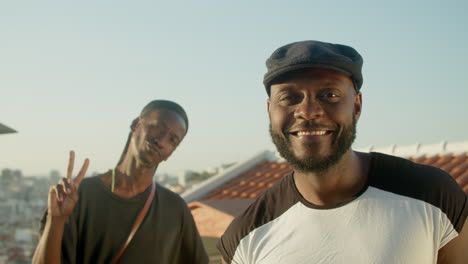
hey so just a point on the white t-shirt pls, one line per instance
(406, 213)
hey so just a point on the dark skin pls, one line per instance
(60, 204)
(154, 138)
(456, 251)
(327, 99)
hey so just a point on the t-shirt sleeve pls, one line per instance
(426, 183)
(455, 207)
(193, 249)
(229, 244)
(462, 220)
(222, 249)
(455, 221)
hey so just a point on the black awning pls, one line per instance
(6, 130)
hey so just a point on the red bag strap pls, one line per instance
(137, 223)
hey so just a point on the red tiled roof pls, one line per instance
(253, 182)
(455, 165)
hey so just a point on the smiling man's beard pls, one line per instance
(340, 145)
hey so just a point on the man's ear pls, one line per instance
(135, 124)
(268, 105)
(358, 105)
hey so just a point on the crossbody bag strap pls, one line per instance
(137, 222)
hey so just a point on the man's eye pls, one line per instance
(289, 98)
(330, 96)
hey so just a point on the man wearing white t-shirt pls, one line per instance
(339, 205)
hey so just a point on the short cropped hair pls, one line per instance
(165, 104)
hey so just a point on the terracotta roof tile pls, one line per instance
(430, 160)
(419, 159)
(459, 170)
(252, 183)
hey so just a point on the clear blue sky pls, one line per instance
(74, 74)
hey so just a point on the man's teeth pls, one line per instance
(311, 133)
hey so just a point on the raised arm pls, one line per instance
(61, 201)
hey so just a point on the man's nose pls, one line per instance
(160, 139)
(308, 109)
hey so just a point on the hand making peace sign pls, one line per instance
(64, 195)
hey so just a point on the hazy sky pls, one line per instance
(73, 75)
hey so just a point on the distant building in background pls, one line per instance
(54, 176)
(22, 202)
(10, 179)
(182, 178)
(193, 178)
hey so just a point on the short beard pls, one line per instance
(340, 145)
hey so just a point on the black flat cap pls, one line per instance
(314, 54)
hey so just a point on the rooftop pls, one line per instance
(251, 177)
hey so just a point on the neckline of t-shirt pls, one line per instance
(357, 197)
(135, 199)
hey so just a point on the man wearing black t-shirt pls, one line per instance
(339, 205)
(89, 220)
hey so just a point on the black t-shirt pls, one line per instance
(101, 222)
